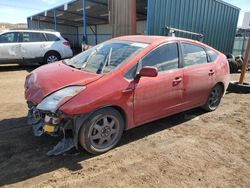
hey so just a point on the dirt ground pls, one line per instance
(191, 149)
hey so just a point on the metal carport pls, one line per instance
(89, 18)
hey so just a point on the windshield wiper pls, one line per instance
(86, 62)
(69, 64)
(73, 66)
(106, 62)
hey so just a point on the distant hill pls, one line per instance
(6, 26)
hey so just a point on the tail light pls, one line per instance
(66, 43)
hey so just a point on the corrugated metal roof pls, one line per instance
(97, 12)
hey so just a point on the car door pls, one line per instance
(198, 75)
(32, 45)
(10, 47)
(159, 96)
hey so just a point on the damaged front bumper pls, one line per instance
(54, 124)
(43, 122)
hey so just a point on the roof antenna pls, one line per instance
(172, 32)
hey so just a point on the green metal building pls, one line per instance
(216, 20)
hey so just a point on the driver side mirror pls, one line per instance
(148, 71)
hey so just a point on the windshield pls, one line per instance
(105, 57)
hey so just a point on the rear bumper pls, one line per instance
(66, 53)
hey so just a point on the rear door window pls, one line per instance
(33, 37)
(164, 58)
(193, 55)
(9, 37)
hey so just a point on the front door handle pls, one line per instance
(178, 79)
(128, 90)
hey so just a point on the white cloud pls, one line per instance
(9, 14)
(51, 2)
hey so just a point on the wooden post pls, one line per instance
(123, 17)
(133, 17)
(245, 63)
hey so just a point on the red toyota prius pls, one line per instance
(120, 84)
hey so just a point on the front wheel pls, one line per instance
(102, 131)
(214, 98)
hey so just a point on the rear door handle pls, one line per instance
(211, 72)
(176, 81)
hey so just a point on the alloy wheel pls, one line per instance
(52, 59)
(215, 97)
(104, 132)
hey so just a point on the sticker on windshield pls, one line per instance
(141, 45)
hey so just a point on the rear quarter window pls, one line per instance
(211, 55)
(51, 37)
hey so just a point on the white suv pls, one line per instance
(18, 46)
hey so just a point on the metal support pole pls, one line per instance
(96, 34)
(77, 36)
(55, 21)
(38, 22)
(84, 20)
(245, 63)
(28, 23)
(148, 18)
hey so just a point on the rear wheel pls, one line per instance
(51, 57)
(102, 131)
(214, 98)
(230, 56)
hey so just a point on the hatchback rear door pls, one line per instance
(198, 74)
(159, 96)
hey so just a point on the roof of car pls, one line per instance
(30, 30)
(151, 39)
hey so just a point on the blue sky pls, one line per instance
(16, 11)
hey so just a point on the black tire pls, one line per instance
(102, 131)
(230, 56)
(235, 87)
(239, 63)
(214, 98)
(239, 57)
(233, 66)
(51, 57)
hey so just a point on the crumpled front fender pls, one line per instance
(78, 122)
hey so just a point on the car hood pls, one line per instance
(52, 77)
